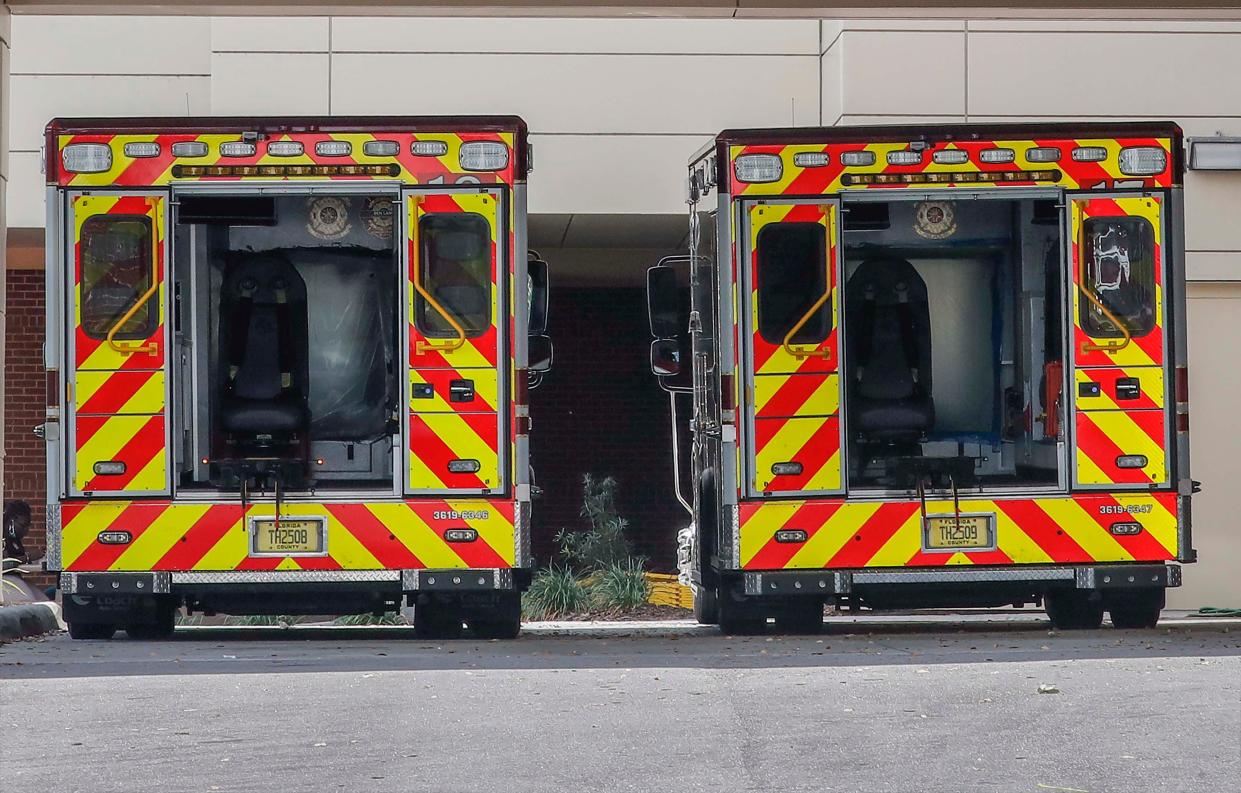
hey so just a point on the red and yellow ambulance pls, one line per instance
(288, 362)
(933, 366)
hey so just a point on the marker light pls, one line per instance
(790, 535)
(857, 158)
(237, 148)
(904, 157)
(189, 148)
(996, 155)
(463, 466)
(1131, 461)
(460, 535)
(951, 156)
(483, 155)
(380, 148)
(333, 148)
(1089, 154)
(285, 148)
(786, 469)
(811, 159)
(142, 148)
(115, 537)
(1215, 154)
(429, 148)
(1043, 154)
(109, 467)
(1126, 528)
(758, 168)
(87, 157)
(1143, 160)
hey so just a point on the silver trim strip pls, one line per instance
(963, 576)
(285, 576)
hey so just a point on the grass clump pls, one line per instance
(621, 586)
(554, 592)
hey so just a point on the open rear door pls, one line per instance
(454, 303)
(791, 318)
(117, 440)
(1120, 421)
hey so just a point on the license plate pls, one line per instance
(289, 536)
(964, 533)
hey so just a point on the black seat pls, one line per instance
(889, 335)
(263, 354)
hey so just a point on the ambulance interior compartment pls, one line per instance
(286, 328)
(951, 335)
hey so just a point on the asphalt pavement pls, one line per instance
(873, 705)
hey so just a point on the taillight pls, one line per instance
(52, 391)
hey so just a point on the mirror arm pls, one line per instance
(676, 452)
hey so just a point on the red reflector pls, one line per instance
(53, 388)
(523, 425)
(727, 395)
(1182, 384)
(521, 390)
(1182, 422)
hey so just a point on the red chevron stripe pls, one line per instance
(873, 535)
(1099, 447)
(477, 554)
(1142, 546)
(135, 519)
(791, 397)
(1044, 531)
(436, 453)
(391, 553)
(115, 392)
(809, 517)
(139, 450)
(201, 537)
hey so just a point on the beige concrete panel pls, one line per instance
(829, 34)
(641, 36)
(1131, 74)
(1212, 210)
(611, 174)
(271, 84)
(1213, 265)
(898, 24)
(24, 191)
(905, 73)
(269, 34)
(144, 45)
(36, 100)
(1214, 389)
(5, 60)
(6, 25)
(858, 120)
(831, 86)
(1104, 26)
(612, 94)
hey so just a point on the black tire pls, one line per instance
(437, 621)
(161, 626)
(1074, 609)
(503, 622)
(800, 617)
(1137, 609)
(739, 616)
(706, 606)
(91, 630)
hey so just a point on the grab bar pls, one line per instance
(427, 345)
(1107, 346)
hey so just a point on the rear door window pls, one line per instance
(116, 253)
(1118, 262)
(791, 278)
(456, 271)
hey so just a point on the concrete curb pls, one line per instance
(29, 619)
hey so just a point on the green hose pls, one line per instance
(1215, 611)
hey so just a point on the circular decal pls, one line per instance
(935, 220)
(329, 218)
(378, 215)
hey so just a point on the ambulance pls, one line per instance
(288, 366)
(932, 366)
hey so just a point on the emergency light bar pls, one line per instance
(285, 148)
(333, 148)
(904, 157)
(998, 155)
(87, 157)
(1143, 160)
(758, 168)
(951, 156)
(191, 171)
(237, 148)
(945, 177)
(483, 155)
(137, 149)
(811, 159)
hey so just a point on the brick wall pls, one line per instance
(601, 411)
(24, 475)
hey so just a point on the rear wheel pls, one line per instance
(161, 624)
(1074, 609)
(503, 621)
(1138, 608)
(91, 630)
(706, 606)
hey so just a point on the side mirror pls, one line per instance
(540, 353)
(536, 273)
(665, 357)
(661, 302)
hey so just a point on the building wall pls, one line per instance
(24, 399)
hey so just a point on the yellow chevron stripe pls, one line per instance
(823, 401)
(1012, 539)
(832, 537)
(231, 550)
(107, 443)
(80, 531)
(793, 436)
(413, 531)
(906, 542)
(150, 546)
(1150, 377)
(1130, 438)
(496, 530)
(1084, 530)
(149, 398)
(486, 393)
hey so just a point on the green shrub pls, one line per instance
(604, 543)
(387, 618)
(619, 586)
(554, 592)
